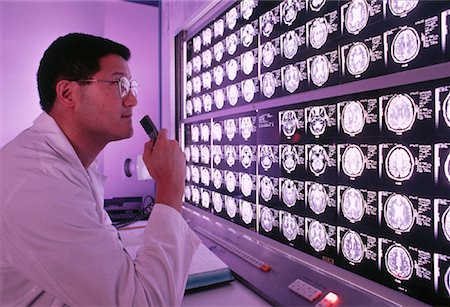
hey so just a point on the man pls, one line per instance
(58, 246)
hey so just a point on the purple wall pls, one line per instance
(26, 30)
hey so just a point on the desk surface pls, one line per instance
(229, 294)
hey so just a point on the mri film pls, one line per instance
(290, 44)
(358, 58)
(353, 118)
(290, 227)
(289, 192)
(400, 113)
(318, 120)
(267, 219)
(268, 84)
(230, 205)
(399, 262)
(357, 16)
(318, 160)
(353, 205)
(352, 247)
(405, 45)
(399, 163)
(267, 188)
(317, 198)
(353, 161)
(320, 70)
(318, 32)
(291, 78)
(401, 7)
(399, 213)
(317, 236)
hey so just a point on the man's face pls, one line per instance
(102, 113)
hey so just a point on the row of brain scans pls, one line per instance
(219, 73)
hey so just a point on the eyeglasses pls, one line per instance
(124, 85)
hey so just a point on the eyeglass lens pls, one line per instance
(126, 85)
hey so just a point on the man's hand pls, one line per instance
(166, 163)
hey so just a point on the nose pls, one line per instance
(130, 100)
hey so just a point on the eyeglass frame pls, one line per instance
(132, 87)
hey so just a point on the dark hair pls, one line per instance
(72, 57)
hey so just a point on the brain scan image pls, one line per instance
(447, 280)
(232, 69)
(247, 8)
(318, 32)
(353, 161)
(189, 88)
(197, 43)
(206, 36)
(218, 27)
(197, 63)
(189, 68)
(318, 160)
(289, 123)
(217, 154)
(320, 70)
(248, 90)
(205, 199)
(405, 45)
(217, 132)
(197, 84)
(267, 188)
(233, 94)
(399, 262)
(353, 205)
(400, 113)
(353, 118)
(446, 110)
(248, 60)
(290, 10)
(219, 98)
(188, 173)
(204, 154)
(187, 153)
(246, 156)
(358, 59)
(316, 5)
(230, 128)
(230, 205)
(195, 154)
(318, 120)
(248, 32)
(447, 167)
(266, 219)
(207, 58)
(266, 157)
(399, 163)
(289, 158)
(205, 176)
(232, 42)
(290, 227)
(269, 84)
(267, 23)
(289, 192)
(217, 179)
(353, 247)
(187, 193)
(217, 202)
(207, 102)
(219, 49)
(317, 235)
(399, 213)
(189, 108)
(246, 184)
(402, 7)
(218, 74)
(206, 80)
(357, 16)
(246, 127)
(230, 181)
(195, 133)
(446, 224)
(204, 132)
(230, 155)
(291, 78)
(246, 212)
(268, 54)
(197, 102)
(195, 195)
(231, 18)
(290, 44)
(317, 198)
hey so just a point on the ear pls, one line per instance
(66, 92)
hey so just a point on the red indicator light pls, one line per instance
(265, 267)
(331, 297)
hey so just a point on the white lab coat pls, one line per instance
(58, 246)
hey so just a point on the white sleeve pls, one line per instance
(55, 240)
